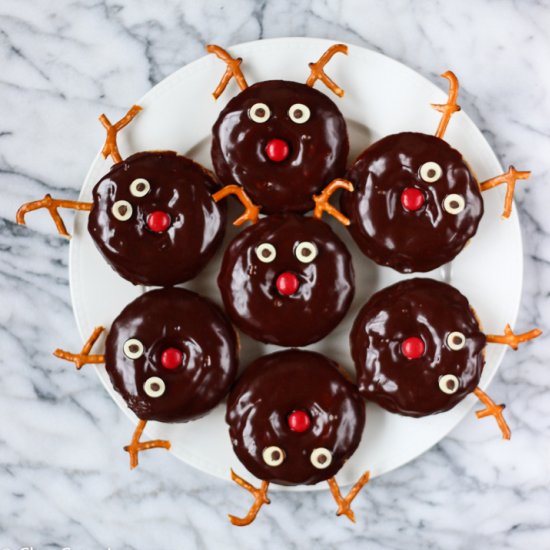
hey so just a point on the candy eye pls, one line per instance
(454, 204)
(448, 383)
(456, 340)
(122, 210)
(299, 113)
(259, 112)
(266, 252)
(140, 187)
(321, 458)
(273, 456)
(154, 386)
(133, 348)
(306, 252)
(430, 171)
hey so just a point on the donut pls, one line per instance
(281, 141)
(153, 216)
(154, 220)
(172, 355)
(416, 202)
(294, 418)
(287, 280)
(417, 348)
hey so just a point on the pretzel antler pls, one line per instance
(51, 205)
(318, 73)
(344, 503)
(110, 147)
(509, 178)
(251, 210)
(492, 409)
(260, 498)
(84, 357)
(233, 70)
(448, 109)
(511, 339)
(322, 201)
(136, 446)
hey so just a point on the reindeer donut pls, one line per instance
(419, 349)
(152, 217)
(416, 201)
(281, 141)
(298, 433)
(172, 356)
(287, 279)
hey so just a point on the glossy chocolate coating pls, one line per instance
(248, 285)
(386, 232)
(274, 386)
(173, 318)
(179, 187)
(429, 310)
(318, 147)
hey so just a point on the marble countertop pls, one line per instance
(63, 480)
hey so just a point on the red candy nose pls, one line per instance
(158, 221)
(287, 283)
(413, 347)
(412, 198)
(298, 421)
(171, 358)
(277, 150)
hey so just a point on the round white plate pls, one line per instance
(382, 97)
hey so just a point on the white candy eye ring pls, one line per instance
(133, 348)
(430, 171)
(448, 384)
(140, 187)
(454, 204)
(259, 112)
(266, 253)
(122, 210)
(273, 456)
(154, 386)
(321, 458)
(456, 340)
(306, 252)
(299, 113)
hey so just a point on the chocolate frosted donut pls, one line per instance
(416, 203)
(282, 141)
(294, 418)
(417, 347)
(171, 355)
(287, 280)
(153, 218)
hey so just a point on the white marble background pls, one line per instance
(64, 480)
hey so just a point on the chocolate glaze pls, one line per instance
(410, 241)
(429, 310)
(179, 187)
(318, 147)
(274, 386)
(248, 286)
(173, 318)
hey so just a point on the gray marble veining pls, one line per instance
(63, 480)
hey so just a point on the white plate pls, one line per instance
(382, 97)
